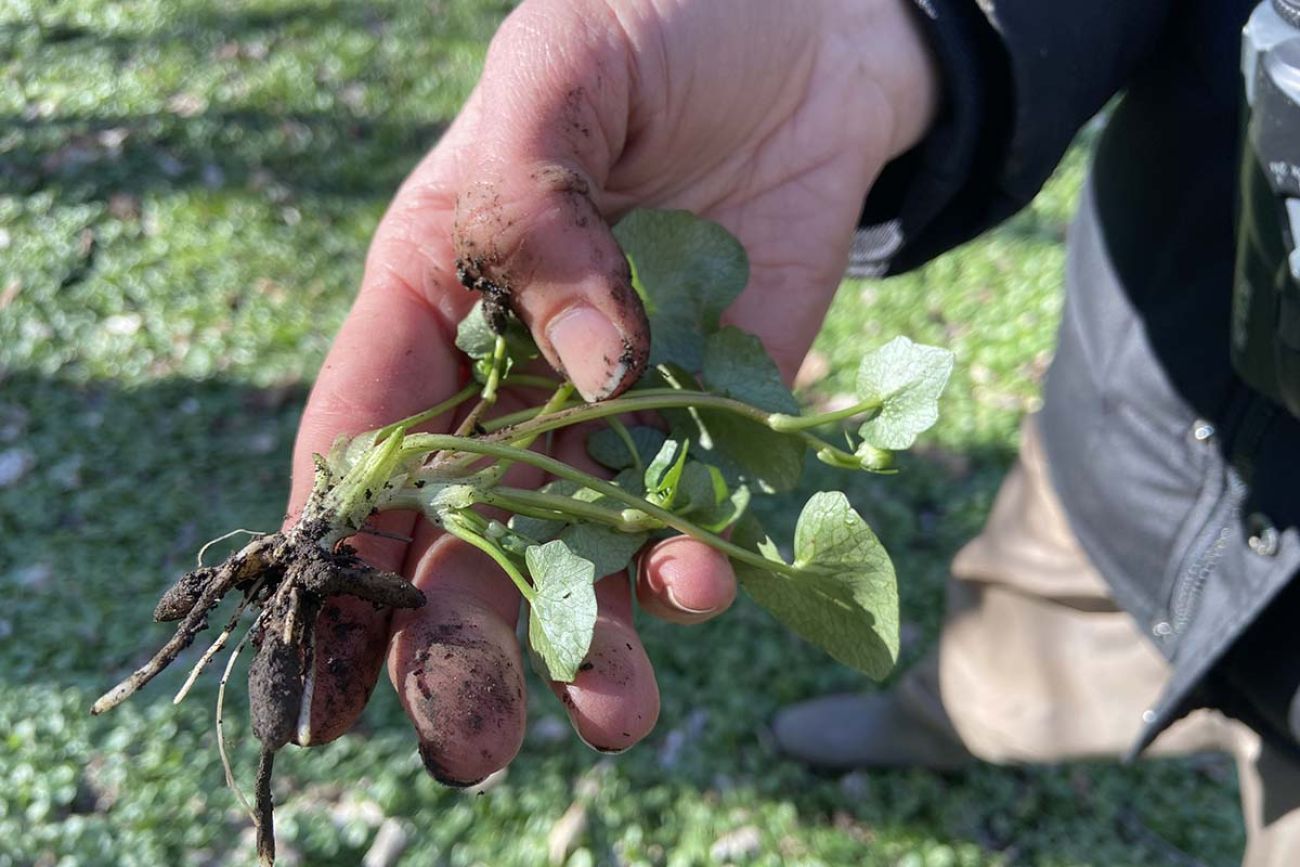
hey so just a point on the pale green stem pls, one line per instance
(494, 372)
(491, 475)
(529, 380)
(558, 399)
(794, 423)
(520, 379)
(644, 401)
(514, 418)
(554, 507)
(489, 394)
(425, 443)
(431, 413)
(511, 419)
(459, 529)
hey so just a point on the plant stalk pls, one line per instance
(794, 423)
(417, 444)
(537, 504)
(511, 426)
(461, 531)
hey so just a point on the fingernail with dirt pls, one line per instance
(591, 350)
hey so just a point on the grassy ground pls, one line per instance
(186, 192)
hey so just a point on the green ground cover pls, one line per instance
(186, 193)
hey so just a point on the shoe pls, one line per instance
(905, 727)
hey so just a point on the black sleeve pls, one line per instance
(1020, 77)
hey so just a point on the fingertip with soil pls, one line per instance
(458, 671)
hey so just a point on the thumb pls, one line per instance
(550, 118)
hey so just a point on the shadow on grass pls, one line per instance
(359, 153)
(120, 488)
(216, 23)
(191, 24)
(92, 157)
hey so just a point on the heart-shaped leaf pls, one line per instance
(842, 595)
(905, 379)
(687, 270)
(563, 608)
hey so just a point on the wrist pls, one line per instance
(894, 60)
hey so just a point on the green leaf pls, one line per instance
(607, 448)
(687, 270)
(701, 488)
(769, 549)
(537, 529)
(749, 533)
(629, 480)
(608, 549)
(843, 596)
(736, 365)
(542, 529)
(726, 513)
(475, 338)
(746, 451)
(563, 607)
(906, 379)
(664, 473)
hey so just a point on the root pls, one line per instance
(288, 575)
(248, 563)
(218, 644)
(194, 623)
(348, 576)
(277, 675)
(257, 534)
(302, 726)
(221, 729)
(180, 598)
(265, 816)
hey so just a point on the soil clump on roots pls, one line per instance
(287, 576)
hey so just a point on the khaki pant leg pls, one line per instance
(1036, 662)
(1270, 801)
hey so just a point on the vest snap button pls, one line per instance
(1263, 538)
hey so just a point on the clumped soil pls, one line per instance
(497, 307)
(288, 576)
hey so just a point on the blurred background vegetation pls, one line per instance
(186, 193)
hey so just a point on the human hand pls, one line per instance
(772, 119)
